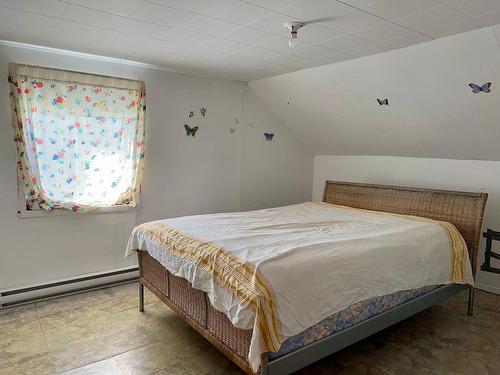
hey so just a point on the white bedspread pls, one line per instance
(318, 258)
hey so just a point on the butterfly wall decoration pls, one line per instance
(269, 136)
(383, 101)
(190, 131)
(484, 88)
(191, 114)
(232, 130)
(203, 111)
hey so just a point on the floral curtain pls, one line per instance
(79, 138)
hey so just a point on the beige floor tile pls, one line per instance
(23, 349)
(187, 368)
(126, 340)
(124, 289)
(150, 359)
(115, 303)
(35, 365)
(18, 329)
(131, 289)
(79, 353)
(107, 324)
(63, 328)
(106, 367)
(177, 369)
(22, 312)
(61, 339)
(71, 302)
(86, 351)
(75, 317)
(206, 360)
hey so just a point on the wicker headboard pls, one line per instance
(462, 209)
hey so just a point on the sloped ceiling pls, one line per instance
(432, 112)
(238, 39)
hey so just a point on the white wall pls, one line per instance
(433, 112)
(273, 173)
(186, 175)
(466, 175)
(213, 172)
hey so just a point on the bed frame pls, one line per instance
(464, 210)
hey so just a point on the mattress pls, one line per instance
(356, 313)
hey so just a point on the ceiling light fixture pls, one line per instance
(292, 28)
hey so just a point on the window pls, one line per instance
(79, 138)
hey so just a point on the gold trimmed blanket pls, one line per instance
(458, 247)
(240, 278)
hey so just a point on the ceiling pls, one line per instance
(238, 39)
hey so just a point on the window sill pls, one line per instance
(24, 214)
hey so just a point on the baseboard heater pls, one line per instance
(13, 297)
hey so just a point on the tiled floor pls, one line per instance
(102, 332)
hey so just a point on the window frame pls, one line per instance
(49, 73)
(23, 213)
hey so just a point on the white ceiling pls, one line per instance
(238, 39)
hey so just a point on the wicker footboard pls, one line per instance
(195, 308)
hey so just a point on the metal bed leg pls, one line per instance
(470, 307)
(141, 297)
(263, 364)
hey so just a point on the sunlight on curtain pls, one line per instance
(79, 137)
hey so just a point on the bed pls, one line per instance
(223, 323)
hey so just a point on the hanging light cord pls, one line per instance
(290, 70)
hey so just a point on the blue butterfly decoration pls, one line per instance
(484, 88)
(383, 101)
(269, 136)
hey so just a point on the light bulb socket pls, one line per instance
(293, 26)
